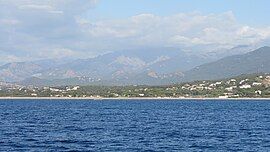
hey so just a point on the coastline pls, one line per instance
(122, 98)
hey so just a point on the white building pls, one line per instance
(34, 94)
(223, 97)
(242, 81)
(230, 89)
(218, 83)
(141, 95)
(55, 89)
(256, 83)
(259, 92)
(245, 86)
(233, 80)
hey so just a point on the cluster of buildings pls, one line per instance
(229, 86)
(10, 86)
(61, 89)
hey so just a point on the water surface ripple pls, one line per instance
(134, 125)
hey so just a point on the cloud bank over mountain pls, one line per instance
(36, 29)
(180, 30)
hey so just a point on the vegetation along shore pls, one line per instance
(242, 87)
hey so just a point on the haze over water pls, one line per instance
(134, 125)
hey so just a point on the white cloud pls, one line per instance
(36, 7)
(28, 27)
(33, 29)
(180, 30)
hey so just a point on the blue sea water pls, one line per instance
(134, 125)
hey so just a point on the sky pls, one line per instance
(40, 29)
(251, 12)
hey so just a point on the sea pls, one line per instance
(134, 125)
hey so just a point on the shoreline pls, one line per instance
(122, 98)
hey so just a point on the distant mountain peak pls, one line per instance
(257, 61)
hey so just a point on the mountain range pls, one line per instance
(257, 61)
(150, 66)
